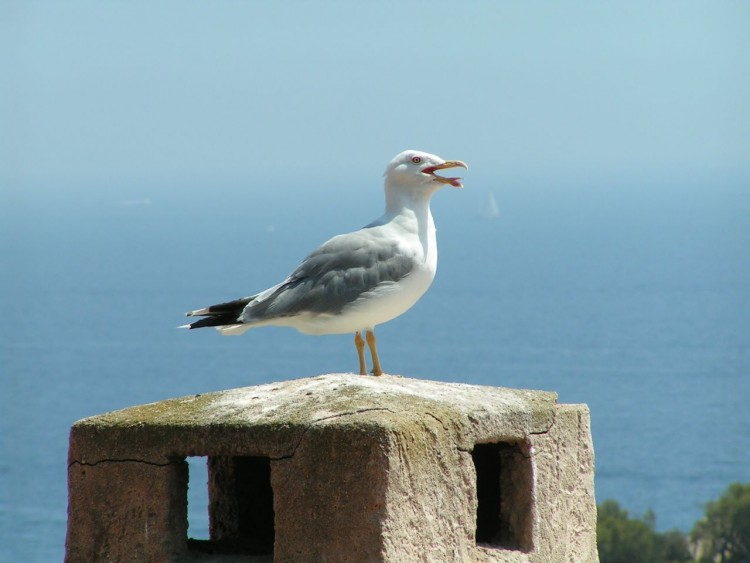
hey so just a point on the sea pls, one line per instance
(631, 296)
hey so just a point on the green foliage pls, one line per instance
(723, 534)
(673, 547)
(622, 539)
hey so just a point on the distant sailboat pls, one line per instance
(136, 202)
(490, 211)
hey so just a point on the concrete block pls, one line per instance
(339, 468)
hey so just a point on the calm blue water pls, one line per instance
(634, 300)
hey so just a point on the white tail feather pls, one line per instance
(197, 312)
(233, 330)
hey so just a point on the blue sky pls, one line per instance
(104, 96)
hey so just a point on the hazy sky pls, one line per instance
(162, 95)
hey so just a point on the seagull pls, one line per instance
(358, 280)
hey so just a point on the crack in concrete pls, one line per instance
(438, 419)
(358, 411)
(123, 460)
(330, 417)
(450, 434)
(549, 427)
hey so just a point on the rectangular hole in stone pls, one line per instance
(240, 507)
(504, 495)
(197, 498)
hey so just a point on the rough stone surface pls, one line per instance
(361, 469)
(127, 511)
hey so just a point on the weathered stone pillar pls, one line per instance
(339, 468)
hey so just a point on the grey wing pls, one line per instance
(333, 276)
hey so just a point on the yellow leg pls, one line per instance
(359, 342)
(376, 369)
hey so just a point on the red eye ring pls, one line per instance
(416, 159)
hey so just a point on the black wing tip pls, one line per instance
(214, 321)
(218, 315)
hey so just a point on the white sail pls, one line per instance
(490, 211)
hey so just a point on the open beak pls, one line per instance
(455, 182)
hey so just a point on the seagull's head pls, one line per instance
(418, 170)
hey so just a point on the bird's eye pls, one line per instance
(416, 159)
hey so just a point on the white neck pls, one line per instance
(404, 205)
(413, 198)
